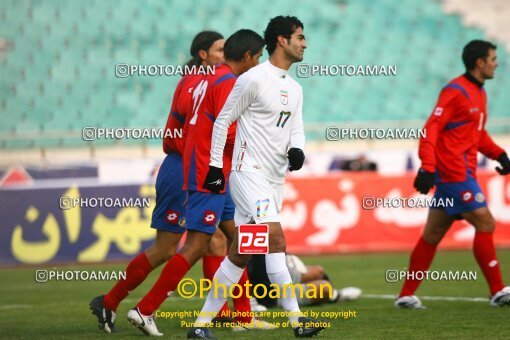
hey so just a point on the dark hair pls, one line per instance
(241, 42)
(475, 49)
(277, 26)
(202, 41)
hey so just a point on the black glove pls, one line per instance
(424, 181)
(505, 163)
(296, 158)
(215, 181)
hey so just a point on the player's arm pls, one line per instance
(173, 109)
(295, 154)
(441, 115)
(493, 151)
(219, 97)
(239, 99)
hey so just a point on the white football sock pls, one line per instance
(278, 273)
(227, 275)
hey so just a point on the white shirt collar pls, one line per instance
(276, 70)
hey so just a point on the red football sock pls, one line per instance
(421, 259)
(210, 266)
(485, 254)
(242, 303)
(136, 272)
(170, 276)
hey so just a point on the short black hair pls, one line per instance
(202, 41)
(241, 42)
(280, 25)
(476, 49)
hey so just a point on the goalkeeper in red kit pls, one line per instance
(455, 133)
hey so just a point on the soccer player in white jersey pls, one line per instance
(266, 103)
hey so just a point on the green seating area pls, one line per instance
(58, 75)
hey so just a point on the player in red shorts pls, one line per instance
(168, 217)
(204, 210)
(455, 133)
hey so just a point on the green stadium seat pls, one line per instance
(69, 59)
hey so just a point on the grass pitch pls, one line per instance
(59, 309)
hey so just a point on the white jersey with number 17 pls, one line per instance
(267, 104)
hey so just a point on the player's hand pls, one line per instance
(296, 158)
(505, 163)
(424, 181)
(215, 181)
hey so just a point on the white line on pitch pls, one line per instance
(14, 306)
(431, 298)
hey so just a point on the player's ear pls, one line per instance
(202, 54)
(480, 62)
(282, 40)
(247, 56)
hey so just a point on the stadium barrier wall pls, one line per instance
(319, 215)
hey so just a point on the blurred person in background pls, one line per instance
(301, 274)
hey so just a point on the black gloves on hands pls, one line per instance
(215, 181)
(296, 158)
(424, 181)
(505, 163)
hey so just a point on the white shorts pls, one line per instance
(256, 199)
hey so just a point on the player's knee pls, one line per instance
(218, 238)
(192, 253)
(218, 250)
(164, 254)
(277, 244)
(433, 237)
(156, 256)
(168, 255)
(487, 225)
(238, 260)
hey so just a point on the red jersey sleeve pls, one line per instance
(487, 146)
(167, 148)
(443, 112)
(220, 95)
(177, 93)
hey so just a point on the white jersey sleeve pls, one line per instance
(241, 96)
(297, 131)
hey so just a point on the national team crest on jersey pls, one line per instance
(209, 217)
(172, 216)
(479, 197)
(467, 196)
(284, 97)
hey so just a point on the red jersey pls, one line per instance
(209, 96)
(181, 105)
(455, 131)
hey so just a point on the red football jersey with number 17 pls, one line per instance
(209, 96)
